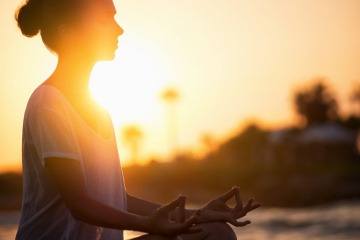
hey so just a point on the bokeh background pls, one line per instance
(204, 95)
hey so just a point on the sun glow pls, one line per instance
(129, 87)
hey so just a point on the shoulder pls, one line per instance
(47, 96)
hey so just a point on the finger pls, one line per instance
(191, 220)
(174, 228)
(255, 206)
(241, 224)
(246, 209)
(248, 204)
(226, 196)
(239, 204)
(170, 206)
(242, 212)
(181, 211)
(187, 224)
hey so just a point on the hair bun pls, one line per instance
(28, 18)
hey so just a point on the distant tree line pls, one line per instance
(273, 166)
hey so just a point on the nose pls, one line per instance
(119, 30)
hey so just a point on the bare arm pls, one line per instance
(68, 179)
(67, 176)
(140, 206)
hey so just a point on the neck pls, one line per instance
(72, 75)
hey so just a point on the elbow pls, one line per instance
(129, 197)
(76, 212)
(77, 208)
(77, 215)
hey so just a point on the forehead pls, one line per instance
(100, 6)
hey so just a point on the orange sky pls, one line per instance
(230, 60)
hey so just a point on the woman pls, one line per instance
(73, 184)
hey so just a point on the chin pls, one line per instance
(107, 57)
(110, 58)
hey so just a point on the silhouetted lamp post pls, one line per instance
(170, 97)
(355, 99)
(132, 136)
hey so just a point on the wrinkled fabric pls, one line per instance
(52, 128)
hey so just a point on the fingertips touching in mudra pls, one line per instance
(160, 221)
(218, 209)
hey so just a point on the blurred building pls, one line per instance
(328, 142)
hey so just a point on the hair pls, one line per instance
(45, 17)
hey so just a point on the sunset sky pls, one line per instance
(231, 61)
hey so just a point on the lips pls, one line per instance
(116, 44)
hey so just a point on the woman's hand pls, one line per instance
(217, 209)
(159, 222)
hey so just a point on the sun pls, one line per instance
(129, 86)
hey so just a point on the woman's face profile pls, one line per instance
(96, 31)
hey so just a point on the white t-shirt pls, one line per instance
(52, 128)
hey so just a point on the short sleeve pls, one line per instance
(53, 134)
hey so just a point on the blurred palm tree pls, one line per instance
(132, 137)
(209, 142)
(355, 99)
(354, 120)
(316, 105)
(171, 96)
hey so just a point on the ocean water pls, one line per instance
(338, 221)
